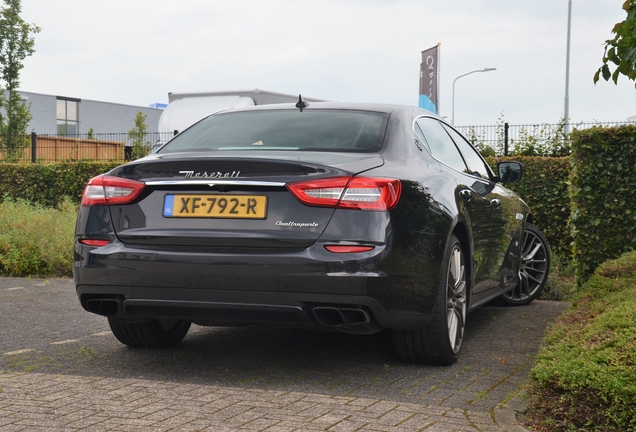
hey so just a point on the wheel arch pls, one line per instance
(529, 218)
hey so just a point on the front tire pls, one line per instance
(151, 333)
(440, 342)
(534, 270)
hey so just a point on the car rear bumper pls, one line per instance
(311, 287)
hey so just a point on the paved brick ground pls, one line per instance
(44, 402)
(62, 370)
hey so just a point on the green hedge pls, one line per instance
(544, 187)
(48, 184)
(603, 196)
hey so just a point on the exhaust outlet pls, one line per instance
(104, 307)
(337, 317)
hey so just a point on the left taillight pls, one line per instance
(110, 190)
(94, 242)
(361, 193)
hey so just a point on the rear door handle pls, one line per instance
(466, 194)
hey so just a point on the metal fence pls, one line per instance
(547, 139)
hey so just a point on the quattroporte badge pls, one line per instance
(297, 224)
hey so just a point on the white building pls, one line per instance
(185, 109)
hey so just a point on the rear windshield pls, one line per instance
(285, 130)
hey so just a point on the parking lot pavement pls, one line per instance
(63, 370)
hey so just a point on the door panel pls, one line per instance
(486, 221)
(490, 210)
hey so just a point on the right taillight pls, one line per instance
(362, 193)
(110, 190)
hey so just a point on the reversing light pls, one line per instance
(348, 248)
(96, 243)
(110, 190)
(361, 193)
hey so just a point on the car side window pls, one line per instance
(476, 164)
(442, 146)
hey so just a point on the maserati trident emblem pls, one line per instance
(211, 174)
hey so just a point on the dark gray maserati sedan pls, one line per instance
(351, 217)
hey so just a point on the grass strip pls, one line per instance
(585, 373)
(36, 241)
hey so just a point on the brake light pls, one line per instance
(361, 193)
(110, 190)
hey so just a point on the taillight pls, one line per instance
(110, 190)
(362, 193)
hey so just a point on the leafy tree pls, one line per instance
(137, 136)
(16, 43)
(621, 51)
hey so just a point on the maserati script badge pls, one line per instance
(211, 175)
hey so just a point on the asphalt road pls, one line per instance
(61, 369)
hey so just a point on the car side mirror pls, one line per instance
(510, 172)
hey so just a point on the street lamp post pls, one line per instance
(566, 111)
(472, 72)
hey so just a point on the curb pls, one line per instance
(506, 414)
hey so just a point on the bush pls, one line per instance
(36, 241)
(544, 187)
(561, 283)
(585, 374)
(48, 184)
(603, 181)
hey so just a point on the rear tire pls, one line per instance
(152, 333)
(534, 270)
(440, 342)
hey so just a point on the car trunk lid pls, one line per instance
(233, 200)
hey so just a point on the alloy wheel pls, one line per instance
(456, 299)
(534, 268)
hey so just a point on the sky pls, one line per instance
(137, 51)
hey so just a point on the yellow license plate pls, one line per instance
(215, 206)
